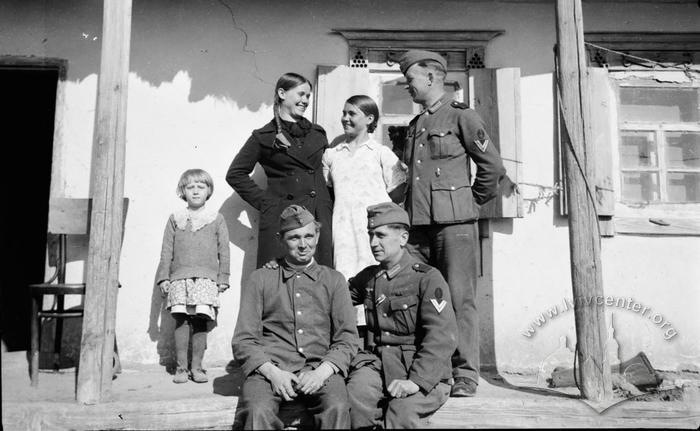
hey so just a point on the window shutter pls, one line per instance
(497, 100)
(335, 84)
(603, 128)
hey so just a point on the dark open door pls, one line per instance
(28, 104)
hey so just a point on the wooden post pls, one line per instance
(584, 240)
(107, 192)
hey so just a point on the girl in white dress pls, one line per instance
(361, 172)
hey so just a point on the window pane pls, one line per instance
(683, 149)
(640, 186)
(672, 105)
(395, 98)
(683, 186)
(638, 149)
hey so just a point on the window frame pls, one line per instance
(663, 208)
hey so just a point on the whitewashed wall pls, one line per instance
(201, 79)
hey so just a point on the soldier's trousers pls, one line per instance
(454, 250)
(259, 406)
(368, 401)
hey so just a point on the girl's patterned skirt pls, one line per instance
(194, 296)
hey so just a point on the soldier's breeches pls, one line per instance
(454, 250)
(259, 407)
(368, 400)
(414, 410)
(365, 392)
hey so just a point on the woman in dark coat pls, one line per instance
(289, 148)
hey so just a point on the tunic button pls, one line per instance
(312, 193)
(290, 173)
(417, 178)
(405, 306)
(300, 331)
(386, 333)
(301, 350)
(384, 315)
(290, 197)
(299, 313)
(452, 187)
(298, 295)
(421, 145)
(311, 171)
(418, 161)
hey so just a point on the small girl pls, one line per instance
(193, 270)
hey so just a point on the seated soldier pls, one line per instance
(405, 368)
(295, 334)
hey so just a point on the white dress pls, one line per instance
(358, 180)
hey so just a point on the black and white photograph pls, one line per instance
(350, 214)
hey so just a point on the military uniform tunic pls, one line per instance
(443, 206)
(441, 142)
(411, 333)
(296, 320)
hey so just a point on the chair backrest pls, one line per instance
(69, 216)
(72, 215)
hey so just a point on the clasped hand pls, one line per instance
(288, 385)
(402, 388)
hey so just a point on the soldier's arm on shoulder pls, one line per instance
(439, 326)
(344, 339)
(247, 346)
(481, 149)
(357, 285)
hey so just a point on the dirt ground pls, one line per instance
(144, 397)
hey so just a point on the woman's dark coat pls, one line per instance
(294, 176)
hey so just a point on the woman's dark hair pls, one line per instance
(286, 82)
(368, 107)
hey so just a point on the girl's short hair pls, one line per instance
(368, 107)
(196, 175)
(286, 82)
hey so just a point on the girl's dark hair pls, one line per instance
(368, 107)
(286, 82)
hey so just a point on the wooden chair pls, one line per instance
(66, 217)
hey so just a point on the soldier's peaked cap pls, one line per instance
(294, 217)
(409, 58)
(386, 213)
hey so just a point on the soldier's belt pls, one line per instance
(387, 339)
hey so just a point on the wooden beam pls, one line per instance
(584, 239)
(107, 192)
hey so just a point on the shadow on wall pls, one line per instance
(161, 329)
(207, 38)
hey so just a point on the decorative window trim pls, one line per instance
(658, 47)
(463, 50)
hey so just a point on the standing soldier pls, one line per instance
(411, 331)
(442, 203)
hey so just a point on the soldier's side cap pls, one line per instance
(386, 213)
(409, 58)
(294, 217)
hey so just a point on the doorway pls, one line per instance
(28, 113)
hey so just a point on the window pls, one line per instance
(395, 105)
(659, 143)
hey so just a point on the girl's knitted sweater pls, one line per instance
(195, 245)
